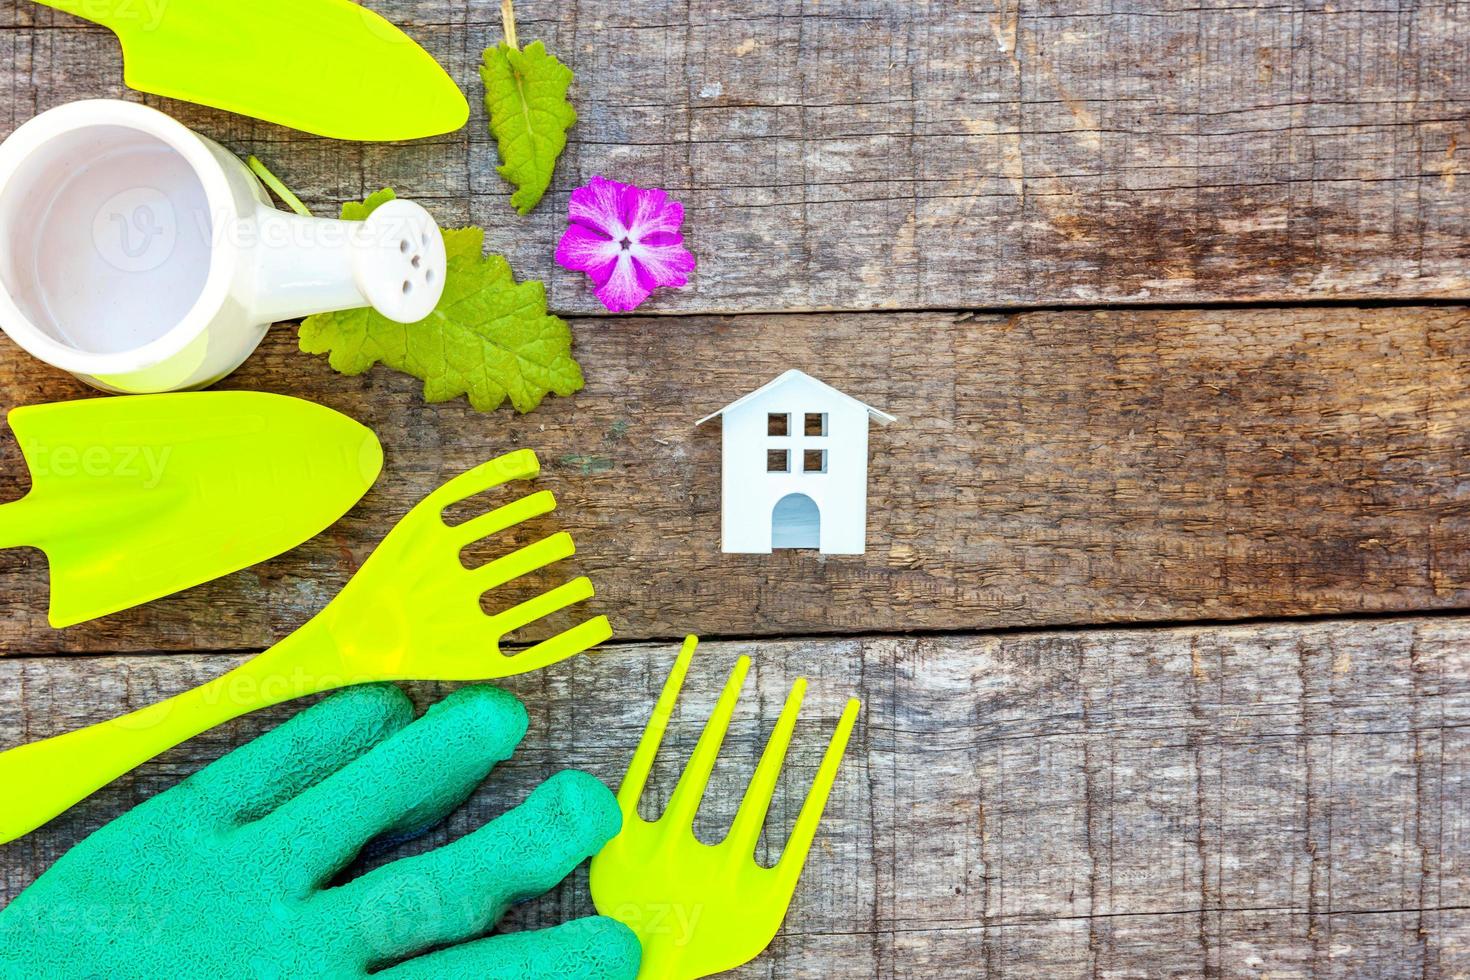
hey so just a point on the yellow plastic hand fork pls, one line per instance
(411, 612)
(701, 909)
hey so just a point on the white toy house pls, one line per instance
(795, 458)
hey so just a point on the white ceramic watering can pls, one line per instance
(142, 257)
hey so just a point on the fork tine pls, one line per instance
(497, 520)
(692, 784)
(751, 817)
(523, 561)
(519, 465)
(567, 643)
(543, 605)
(793, 857)
(636, 778)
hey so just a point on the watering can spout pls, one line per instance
(394, 261)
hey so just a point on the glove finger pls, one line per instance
(458, 891)
(407, 782)
(261, 775)
(594, 948)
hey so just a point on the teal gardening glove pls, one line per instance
(226, 875)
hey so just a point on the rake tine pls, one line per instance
(793, 858)
(692, 784)
(637, 776)
(746, 829)
(497, 520)
(543, 605)
(523, 561)
(566, 644)
(519, 465)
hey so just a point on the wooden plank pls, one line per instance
(1284, 799)
(873, 154)
(1047, 468)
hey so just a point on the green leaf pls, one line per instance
(526, 96)
(489, 338)
(359, 210)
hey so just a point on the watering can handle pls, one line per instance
(41, 780)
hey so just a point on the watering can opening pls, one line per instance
(109, 230)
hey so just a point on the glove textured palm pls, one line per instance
(227, 874)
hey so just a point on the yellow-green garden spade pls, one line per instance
(136, 498)
(329, 67)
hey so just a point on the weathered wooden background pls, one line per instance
(1164, 296)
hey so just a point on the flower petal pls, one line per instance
(664, 265)
(655, 214)
(596, 206)
(628, 198)
(581, 250)
(622, 291)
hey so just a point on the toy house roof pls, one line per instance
(873, 413)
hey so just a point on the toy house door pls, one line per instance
(796, 522)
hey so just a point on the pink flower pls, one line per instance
(626, 239)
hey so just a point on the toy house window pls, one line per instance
(816, 424)
(778, 424)
(814, 461)
(778, 461)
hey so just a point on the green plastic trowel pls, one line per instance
(328, 67)
(138, 497)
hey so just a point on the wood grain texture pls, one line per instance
(1222, 801)
(865, 155)
(1047, 468)
(1233, 801)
